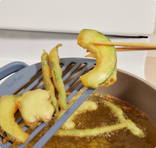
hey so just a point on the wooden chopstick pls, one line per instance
(132, 49)
(127, 44)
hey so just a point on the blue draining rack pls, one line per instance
(22, 73)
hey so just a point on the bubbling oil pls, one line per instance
(103, 116)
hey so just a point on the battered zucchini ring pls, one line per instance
(8, 127)
(104, 73)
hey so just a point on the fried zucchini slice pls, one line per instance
(35, 106)
(57, 77)
(104, 73)
(8, 127)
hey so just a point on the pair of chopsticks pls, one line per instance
(128, 46)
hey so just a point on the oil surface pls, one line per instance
(101, 117)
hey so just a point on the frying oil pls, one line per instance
(101, 117)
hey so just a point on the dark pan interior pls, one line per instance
(135, 91)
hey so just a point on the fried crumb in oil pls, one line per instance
(126, 106)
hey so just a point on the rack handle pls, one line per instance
(10, 68)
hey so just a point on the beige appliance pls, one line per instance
(28, 27)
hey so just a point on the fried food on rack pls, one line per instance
(8, 127)
(46, 73)
(104, 73)
(35, 106)
(57, 77)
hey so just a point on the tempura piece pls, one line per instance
(68, 128)
(105, 72)
(46, 73)
(57, 77)
(35, 106)
(85, 106)
(8, 127)
(130, 125)
(90, 132)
